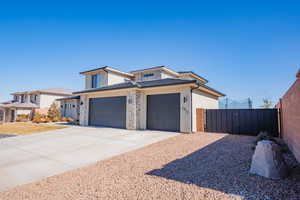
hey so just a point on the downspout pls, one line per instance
(192, 89)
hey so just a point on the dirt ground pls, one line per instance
(188, 166)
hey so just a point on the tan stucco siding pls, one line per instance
(202, 100)
(115, 78)
(167, 75)
(46, 100)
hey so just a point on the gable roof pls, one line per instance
(163, 68)
(19, 105)
(107, 68)
(194, 74)
(57, 91)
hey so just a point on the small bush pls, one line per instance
(54, 112)
(264, 136)
(40, 118)
(64, 119)
(22, 118)
(70, 120)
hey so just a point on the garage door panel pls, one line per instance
(163, 112)
(108, 111)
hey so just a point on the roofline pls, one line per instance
(104, 90)
(194, 74)
(211, 90)
(133, 86)
(164, 68)
(107, 68)
(69, 98)
(41, 92)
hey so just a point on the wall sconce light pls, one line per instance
(185, 99)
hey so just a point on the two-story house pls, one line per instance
(28, 101)
(155, 98)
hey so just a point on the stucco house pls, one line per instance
(156, 98)
(29, 101)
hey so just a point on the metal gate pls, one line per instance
(242, 121)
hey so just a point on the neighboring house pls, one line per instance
(1, 114)
(155, 98)
(29, 101)
(69, 107)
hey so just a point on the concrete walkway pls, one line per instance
(26, 159)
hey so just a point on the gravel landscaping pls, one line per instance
(188, 166)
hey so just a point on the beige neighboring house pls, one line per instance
(156, 98)
(29, 101)
(69, 107)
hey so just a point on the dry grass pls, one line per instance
(24, 128)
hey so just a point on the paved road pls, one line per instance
(26, 159)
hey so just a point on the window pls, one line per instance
(33, 98)
(95, 81)
(22, 98)
(148, 75)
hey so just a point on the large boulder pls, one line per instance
(268, 161)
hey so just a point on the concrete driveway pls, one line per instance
(26, 159)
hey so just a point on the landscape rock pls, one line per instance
(268, 161)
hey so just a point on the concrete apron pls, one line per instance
(26, 159)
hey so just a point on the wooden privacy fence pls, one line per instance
(238, 121)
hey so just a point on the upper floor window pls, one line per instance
(148, 75)
(22, 98)
(33, 98)
(95, 81)
(16, 98)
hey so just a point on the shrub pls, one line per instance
(69, 119)
(54, 112)
(22, 118)
(64, 119)
(40, 118)
(266, 136)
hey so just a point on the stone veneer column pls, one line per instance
(133, 110)
(83, 118)
(185, 111)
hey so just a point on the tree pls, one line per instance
(54, 112)
(267, 103)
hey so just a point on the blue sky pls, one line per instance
(245, 49)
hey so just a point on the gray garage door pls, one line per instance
(108, 111)
(163, 112)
